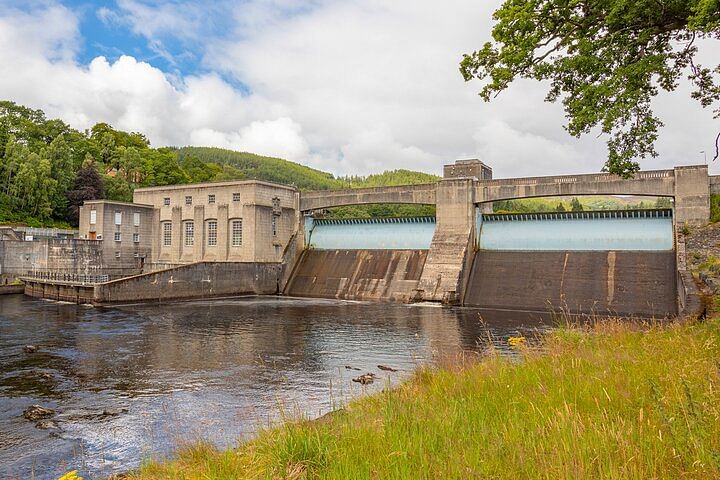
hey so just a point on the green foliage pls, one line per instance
(385, 210)
(575, 205)
(579, 204)
(47, 169)
(714, 208)
(605, 60)
(258, 167)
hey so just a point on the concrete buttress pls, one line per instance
(448, 262)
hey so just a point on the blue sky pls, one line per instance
(347, 86)
(107, 30)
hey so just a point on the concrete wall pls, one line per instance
(692, 195)
(66, 255)
(467, 168)
(635, 283)
(198, 280)
(418, 194)
(387, 275)
(64, 292)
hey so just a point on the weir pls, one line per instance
(605, 262)
(362, 259)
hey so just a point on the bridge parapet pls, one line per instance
(421, 194)
(588, 178)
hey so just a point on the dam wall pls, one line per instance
(381, 275)
(606, 262)
(634, 283)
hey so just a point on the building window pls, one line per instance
(274, 225)
(166, 201)
(118, 218)
(136, 219)
(136, 238)
(212, 234)
(236, 197)
(237, 233)
(117, 254)
(117, 236)
(189, 234)
(167, 234)
(93, 217)
(188, 200)
(211, 198)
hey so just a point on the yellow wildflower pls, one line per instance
(71, 475)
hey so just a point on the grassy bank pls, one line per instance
(611, 401)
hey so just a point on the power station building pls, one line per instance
(235, 221)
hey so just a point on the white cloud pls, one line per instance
(348, 86)
(279, 138)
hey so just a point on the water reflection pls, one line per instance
(134, 381)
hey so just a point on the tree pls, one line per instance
(663, 202)
(575, 205)
(560, 207)
(88, 186)
(606, 60)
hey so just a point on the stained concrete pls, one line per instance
(619, 282)
(197, 280)
(387, 275)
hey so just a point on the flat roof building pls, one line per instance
(234, 221)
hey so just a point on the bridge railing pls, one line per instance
(593, 177)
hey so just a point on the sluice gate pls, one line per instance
(362, 259)
(619, 262)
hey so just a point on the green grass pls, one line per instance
(611, 401)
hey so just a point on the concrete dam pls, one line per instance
(620, 262)
(272, 239)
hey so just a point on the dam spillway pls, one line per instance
(620, 262)
(363, 259)
(604, 262)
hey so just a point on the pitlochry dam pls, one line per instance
(250, 237)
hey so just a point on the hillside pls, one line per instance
(48, 169)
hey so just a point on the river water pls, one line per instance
(134, 382)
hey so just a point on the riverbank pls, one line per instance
(609, 401)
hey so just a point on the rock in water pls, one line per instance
(30, 348)
(365, 379)
(47, 425)
(113, 412)
(387, 369)
(37, 412)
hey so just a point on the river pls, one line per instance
(133, 382)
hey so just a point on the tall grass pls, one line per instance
(613, 400)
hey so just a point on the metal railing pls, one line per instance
(585, 215)
(81, 278)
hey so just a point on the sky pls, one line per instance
(346, 86)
